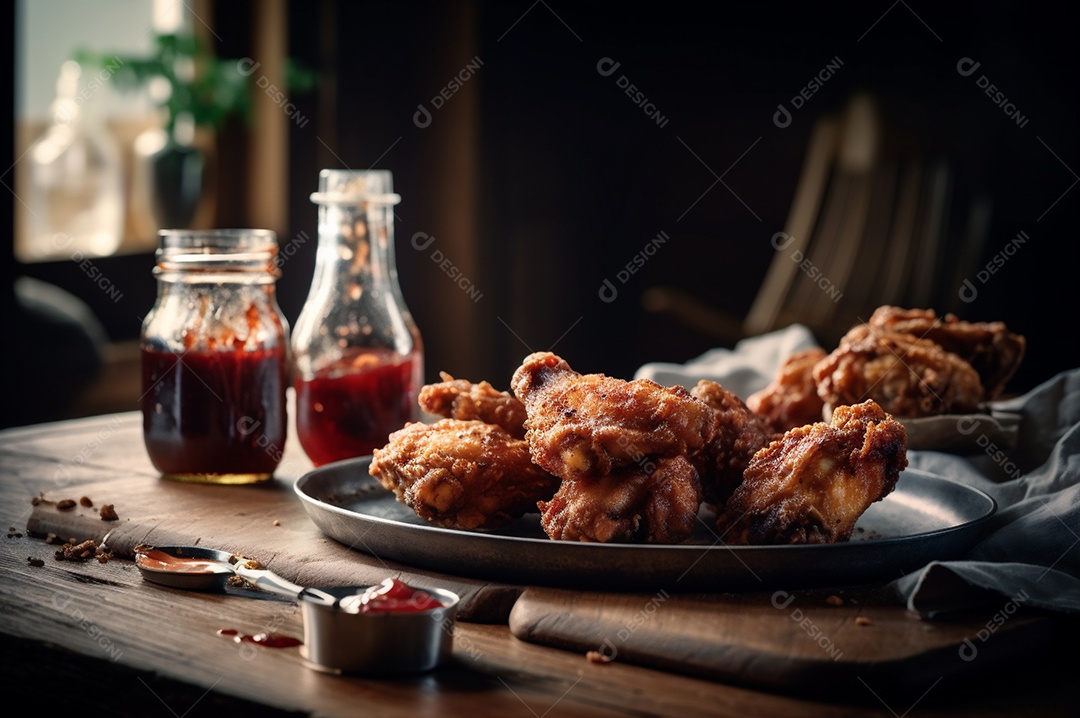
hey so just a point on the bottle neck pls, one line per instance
(355, 255)
(355, 305)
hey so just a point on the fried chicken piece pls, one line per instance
(460, 399)
(582, 425)
(739, 433)
(812, 485)
(462, 474)
(991, 349)
(791, 398)
(909, 377)
(656, 501)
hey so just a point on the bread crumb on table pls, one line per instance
(863, 621)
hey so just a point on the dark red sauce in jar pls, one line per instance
(214, 412)
(351, 408)
(393, 596)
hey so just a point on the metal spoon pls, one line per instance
(205, 569)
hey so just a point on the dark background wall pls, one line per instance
(540, 178)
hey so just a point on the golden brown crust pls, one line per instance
(907, 376)
(460, 399)
(812, 485)
(654, 502)
(582, 425)
(791, 398)
(739, 433)
(992, 350)
(462, 474)
(622, 448)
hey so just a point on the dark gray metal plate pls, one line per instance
(926, 518)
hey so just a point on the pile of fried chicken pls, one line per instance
(608, 460)
(912, 362)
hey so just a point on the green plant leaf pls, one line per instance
(216, 92)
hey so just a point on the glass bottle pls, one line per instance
(357, 352)
(214, 354)
(76, 201)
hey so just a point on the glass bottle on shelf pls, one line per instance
(214, 352)
(358, 356)
(76, 198)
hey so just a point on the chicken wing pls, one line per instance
(582, 425)
(739, 433)
(908, 376)
(654, 502)
(462, 474)
(812, 485)
(991, 349)
(791, 398)
(460, 399)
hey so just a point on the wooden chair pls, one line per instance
(869, 224)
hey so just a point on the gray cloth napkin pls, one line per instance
(1029, 553)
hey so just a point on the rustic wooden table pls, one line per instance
(95, 638)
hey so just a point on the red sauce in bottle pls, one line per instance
(351, 408)
(393, 596)
(214, 412)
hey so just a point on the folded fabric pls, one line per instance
(1030, 552)
(747, 368)
(1024, 452)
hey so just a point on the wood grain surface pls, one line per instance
(809, 642)
(119, 645)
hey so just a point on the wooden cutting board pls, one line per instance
(805, 641)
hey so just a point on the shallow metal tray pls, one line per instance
(927, 517)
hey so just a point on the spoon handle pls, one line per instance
(268, 581)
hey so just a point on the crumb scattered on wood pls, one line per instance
(834, 600)
(65, 504)
(34, 561)
(863, 621)
(108, 513)
(277, 523)
(85, 501)
(598, 657)
(74, 550)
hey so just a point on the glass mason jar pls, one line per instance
(358, 356)
(215, 358)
